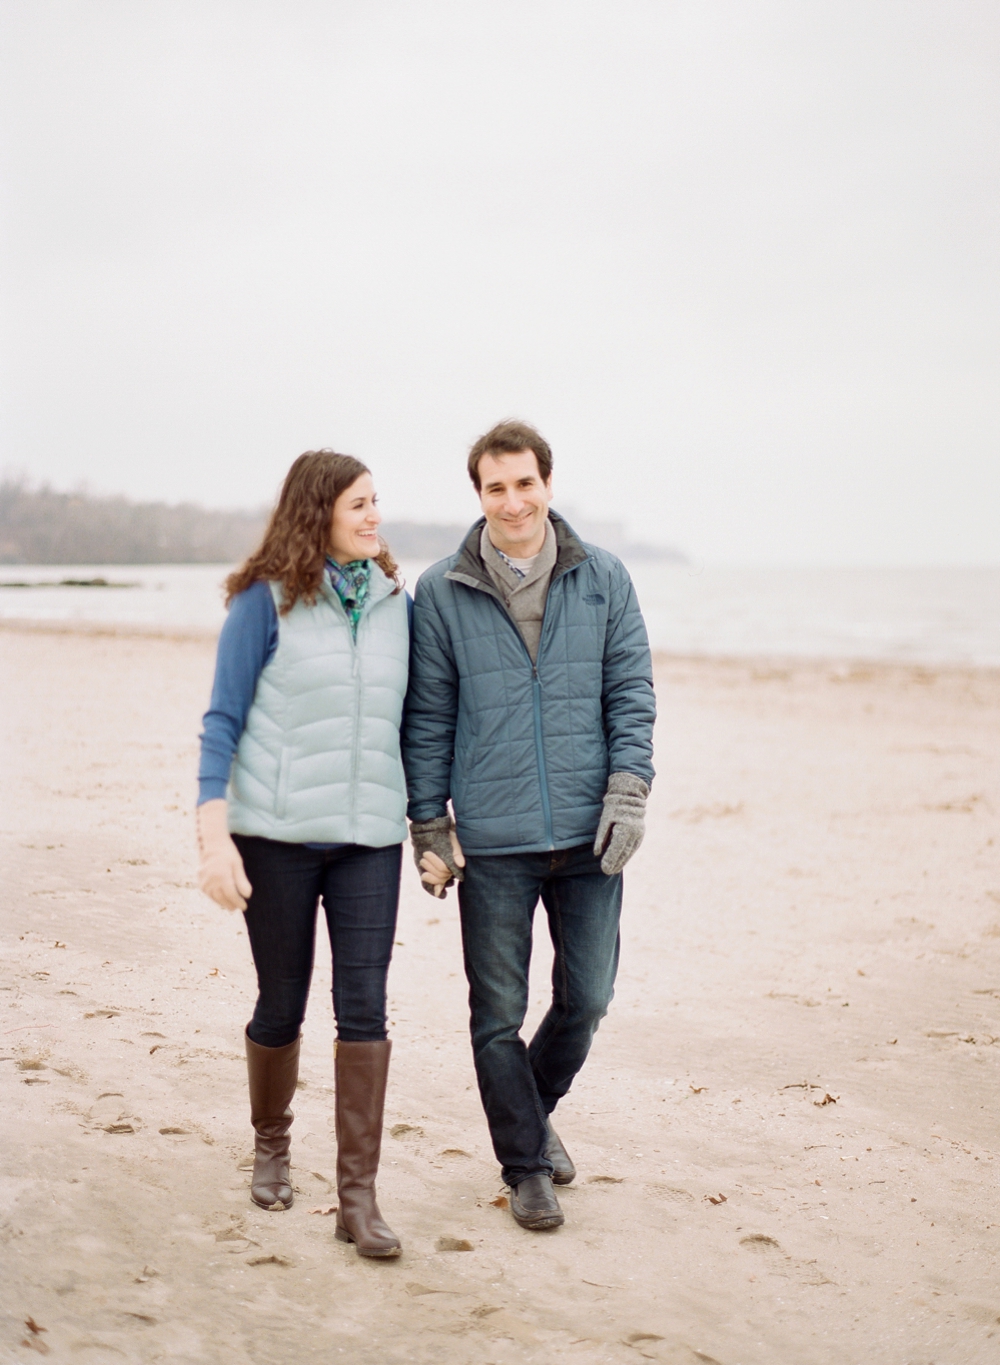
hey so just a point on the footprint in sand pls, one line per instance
(109, 1113)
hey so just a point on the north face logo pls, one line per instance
(594, 599)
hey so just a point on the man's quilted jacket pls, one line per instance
(524, 752)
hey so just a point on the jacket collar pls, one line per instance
(470, 569)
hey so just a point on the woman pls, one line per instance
(302, 799)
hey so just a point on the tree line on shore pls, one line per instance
(43, 526)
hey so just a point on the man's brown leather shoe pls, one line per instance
(563, 1170)
(534, 1204)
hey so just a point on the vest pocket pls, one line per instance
(281, 796)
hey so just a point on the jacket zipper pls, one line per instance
(536, 704)
(543, 780)
(536, 697)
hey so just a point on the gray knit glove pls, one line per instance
(434, 836)
(623, 821)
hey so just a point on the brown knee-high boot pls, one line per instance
(272, 1072)
(362, 1070)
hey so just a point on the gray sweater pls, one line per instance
(523, 597)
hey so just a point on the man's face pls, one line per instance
(515, 501)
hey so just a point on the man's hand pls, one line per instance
(437, 854)
(220, 872)
(623, 821)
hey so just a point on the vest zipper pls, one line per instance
(356, 677)
(356, 757)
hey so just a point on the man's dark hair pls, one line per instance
(509, 438)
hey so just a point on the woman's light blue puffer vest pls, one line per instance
(319, 758)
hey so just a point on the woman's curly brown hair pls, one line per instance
(295, 545)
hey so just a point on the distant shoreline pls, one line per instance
(910, 618)
(754, 668)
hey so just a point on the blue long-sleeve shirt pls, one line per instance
(247, 643)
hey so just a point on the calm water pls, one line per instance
(909, 615)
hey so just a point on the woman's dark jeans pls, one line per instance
(359, 888)
(521, 1085)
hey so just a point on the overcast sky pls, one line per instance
(737, 260)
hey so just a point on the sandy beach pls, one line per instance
(786, 1136)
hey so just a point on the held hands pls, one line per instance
(220, 871)
(437, 854)
(623, 821)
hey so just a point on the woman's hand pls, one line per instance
(220, 871)
(437, 853)
(435, 873)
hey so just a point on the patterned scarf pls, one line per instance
(350, 581)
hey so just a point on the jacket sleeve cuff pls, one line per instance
(627, 784)
(430, 826)
(421, 811)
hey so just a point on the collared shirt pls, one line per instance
(350, 582)
(522, 567)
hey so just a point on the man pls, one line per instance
(531, 708)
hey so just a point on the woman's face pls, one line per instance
(355, 521)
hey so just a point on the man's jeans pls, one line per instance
(520, 1086)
